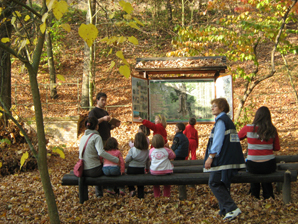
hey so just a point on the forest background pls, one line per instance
(163, 34)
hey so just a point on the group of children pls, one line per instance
(139, 157)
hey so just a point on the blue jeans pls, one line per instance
(112, 171)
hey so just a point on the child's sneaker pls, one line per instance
(132, 193)
(110, 192)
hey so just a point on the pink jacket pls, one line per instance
(116, 153)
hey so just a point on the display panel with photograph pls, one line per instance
(180, 99)
(224, 89)
(139, 98)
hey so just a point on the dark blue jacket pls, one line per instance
(230, 158)
(180, 145)
(231, 155)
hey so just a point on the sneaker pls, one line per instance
(132, 194)
(121, 192)
(233, 214)
(110, 192)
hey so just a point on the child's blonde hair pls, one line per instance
(162, 119)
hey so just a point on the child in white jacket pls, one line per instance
(160, 163)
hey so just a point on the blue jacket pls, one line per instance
(231, 155)
(230, 158)
(180, 145)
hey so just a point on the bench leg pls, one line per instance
(83, 190)
(286, 188)
(182, 192)
(279, 186)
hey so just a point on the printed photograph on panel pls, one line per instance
(181, 99)
(139, 98)
(224, 89)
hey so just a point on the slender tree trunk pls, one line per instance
(86, 71)
(290, 78)
(170, 16)
(42, 151)
(92, 56)
(5, 63)
(51, 63)
(182, 16)
(5, 78)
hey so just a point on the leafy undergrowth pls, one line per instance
(12, 146)
(23, 201)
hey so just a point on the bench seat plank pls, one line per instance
(175, 179)
(287, 159)
(180, 179)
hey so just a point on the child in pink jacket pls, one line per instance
(110, 168)
(160, 163)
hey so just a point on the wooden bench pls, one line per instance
(279, 159)
(199, 168)
(180, 179)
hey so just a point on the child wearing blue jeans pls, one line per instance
(110, 168)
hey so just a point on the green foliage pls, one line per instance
(238, 33)
(58, 150)
(247, 116)
(5, 141)
(57, 35)
(235, 35)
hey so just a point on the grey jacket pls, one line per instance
(93, 150)
(138, 158)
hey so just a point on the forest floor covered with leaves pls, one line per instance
(22, 195)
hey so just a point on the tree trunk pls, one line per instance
(5, 63)
(182, 13)
(85, 101)
(42, 151)
(51, 63)
(170, 16)
(248, 91)
(290, 78)
(92, 55)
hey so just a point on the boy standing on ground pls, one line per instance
(104, 127)
(192, 134)
(180, 142)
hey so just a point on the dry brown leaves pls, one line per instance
(12, 150)
(23, 201)
(22, 196)
(180, 63)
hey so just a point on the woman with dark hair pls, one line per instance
(94, 149)
(262, 139)
(223, 158)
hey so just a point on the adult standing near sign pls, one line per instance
(223, 158)
(104, 127)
